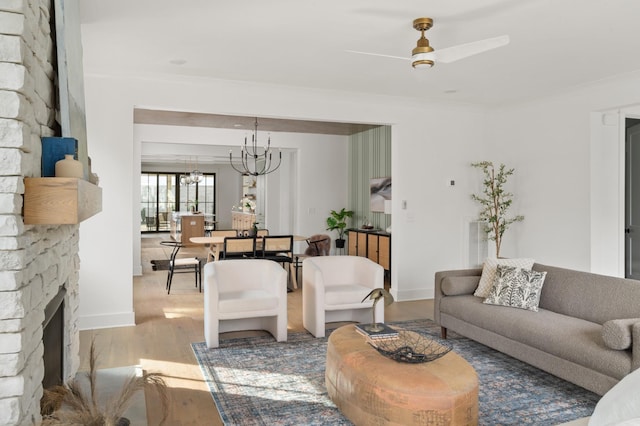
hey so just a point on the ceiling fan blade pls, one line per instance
(461, 51)
(377, 54)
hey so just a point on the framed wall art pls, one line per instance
(380, 190)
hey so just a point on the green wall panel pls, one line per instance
(369, 157)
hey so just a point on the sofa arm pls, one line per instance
(635, 346)
(438, 290)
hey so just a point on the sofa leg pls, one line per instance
(443, 332)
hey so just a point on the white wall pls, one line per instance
(106, 241)
(548, 141)
(430, 146)
(569, 170)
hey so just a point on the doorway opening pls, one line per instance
(632, 198)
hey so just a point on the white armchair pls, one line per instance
(333, 289)
(244, 294)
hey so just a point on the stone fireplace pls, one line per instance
(36, 262)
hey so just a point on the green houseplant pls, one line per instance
(337, 221)
(495, 201)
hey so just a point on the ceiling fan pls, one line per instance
(424, 56)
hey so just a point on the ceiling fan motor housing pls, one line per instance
(422, 25)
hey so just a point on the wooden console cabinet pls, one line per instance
(241, 221)
(376, 245)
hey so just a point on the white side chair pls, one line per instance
(244, 294)
(333, 289)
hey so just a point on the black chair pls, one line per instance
(278, 248)
(239, 248)
(178, 265)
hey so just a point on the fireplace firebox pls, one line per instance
(53, 340)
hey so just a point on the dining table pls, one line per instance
(216, 243)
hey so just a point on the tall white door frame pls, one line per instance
(608, 189)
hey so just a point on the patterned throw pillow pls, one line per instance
(489, 272)
(516, 287)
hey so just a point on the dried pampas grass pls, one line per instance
(70, 404)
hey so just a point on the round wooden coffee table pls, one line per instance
(371, 389)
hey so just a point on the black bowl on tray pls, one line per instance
(412, 348)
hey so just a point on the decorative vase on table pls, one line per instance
(69, 167)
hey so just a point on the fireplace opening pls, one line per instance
(53, 340)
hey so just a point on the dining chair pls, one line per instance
(239, 248)
(178, 265)
(317, 245)
(214, 250)
(278, 248)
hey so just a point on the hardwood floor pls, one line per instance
(166, 325)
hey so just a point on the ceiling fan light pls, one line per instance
(422, 64)
(423, 59)
(422, 56)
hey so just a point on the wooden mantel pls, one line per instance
(60, 201)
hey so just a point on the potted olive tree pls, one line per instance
(337, 221)
(495, 201)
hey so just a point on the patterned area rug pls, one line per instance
(257, 381)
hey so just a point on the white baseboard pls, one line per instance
(121, 319)
(413, 294)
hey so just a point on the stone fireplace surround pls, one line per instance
(35, 261)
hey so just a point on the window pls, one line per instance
(157, 197)
(199, 196)
(159, 192)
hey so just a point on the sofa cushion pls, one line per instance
(516, 287)
(489, 272)
(569, 338)
(617, 333)
(454, 286)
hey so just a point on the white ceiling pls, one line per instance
(555, 44)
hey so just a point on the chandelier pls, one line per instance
(255, 161)
(192, 177)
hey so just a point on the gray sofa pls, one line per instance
(581, 317)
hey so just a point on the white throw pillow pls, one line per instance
(620, 404)
(489, 272)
